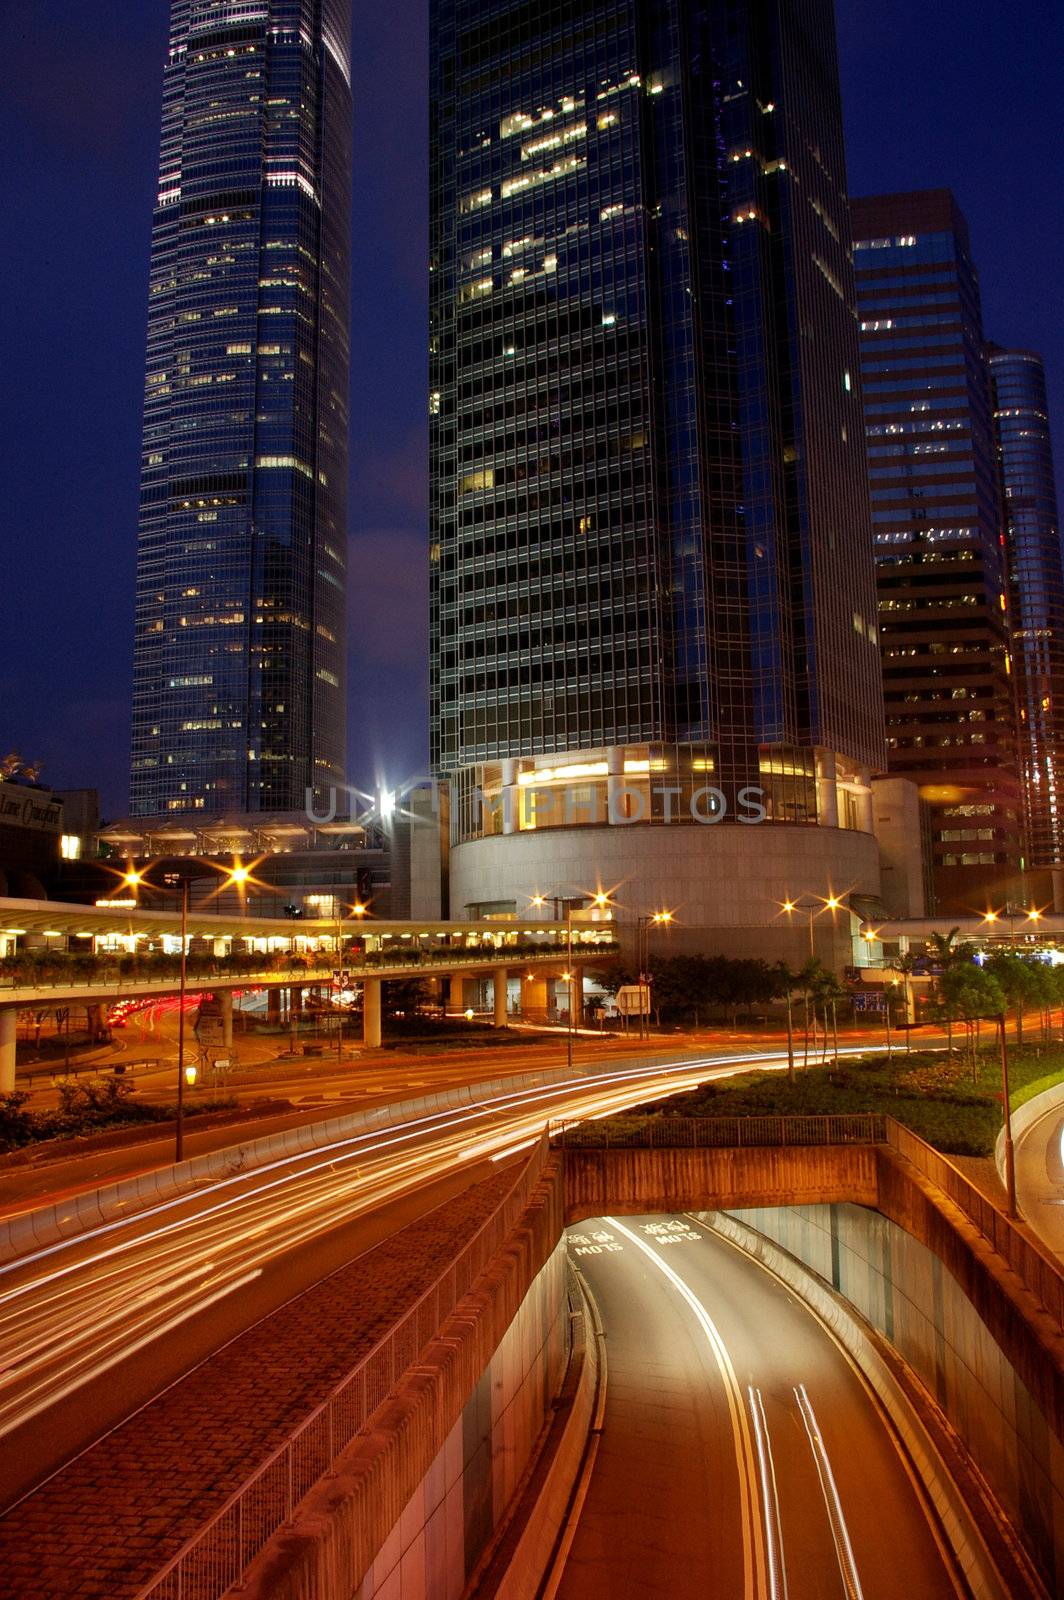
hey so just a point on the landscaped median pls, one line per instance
(930, 1092)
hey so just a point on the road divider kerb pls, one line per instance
(66, 1219)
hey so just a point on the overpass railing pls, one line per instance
(703, 1133)
(1035, 1268)
(215, 1558)
(21, 973)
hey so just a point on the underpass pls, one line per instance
(741, 1454)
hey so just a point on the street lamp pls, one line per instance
(1012, 912)
(644, 923)
(813, 905)
(600, 899)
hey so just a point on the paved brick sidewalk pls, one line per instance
(104, 1525)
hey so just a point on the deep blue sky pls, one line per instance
(963, 93)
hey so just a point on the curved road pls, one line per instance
(742, 1457)
(93, 1326)
(1040, 1176)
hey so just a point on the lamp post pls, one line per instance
(600, 899)
(644, 923)
(814, 905)
(181, 878)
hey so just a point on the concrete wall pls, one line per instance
(426, 1481)
(449, 1520)
(725, 882)
(904, 846)
(412, 1503)
(635, 1182)
(904, 1290)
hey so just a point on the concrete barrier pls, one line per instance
(342, 1525)
(993, 1562)
(50, 1225)
(530, 1554)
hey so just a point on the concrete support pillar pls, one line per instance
(827, 793)
(8, 1023)
(371, 1013)
(534, 998)
(576, 1000)
(273, 1005)
(224, 998)
(615, 784)
(457, 998)
(510, 796)
(498, 996)
(864, 802)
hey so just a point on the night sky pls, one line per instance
(963, 93)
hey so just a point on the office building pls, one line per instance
(654, 652)
(238, 693)
(1036, 587)
(939, 539)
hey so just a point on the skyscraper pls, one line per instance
(940, 539)
(1036, 584)
(651, 569)
(238, 695)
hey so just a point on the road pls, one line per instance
(78, 1318)
(1040, 1176)
(741, 1454)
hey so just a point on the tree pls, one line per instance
(968, 993)
(947, 949)
(1019, 983)
(785, 982)
(905, 965)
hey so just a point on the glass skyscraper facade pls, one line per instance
(1036, 584)
(939, 530)
(651, 564)
(239, 693)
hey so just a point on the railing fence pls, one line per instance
(214, 1559)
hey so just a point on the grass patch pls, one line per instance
(926, 1091)
(92, 1105)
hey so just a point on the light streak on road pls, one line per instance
(851, 1583)
(770, 1499)
(72, 1311)
(755, 1565)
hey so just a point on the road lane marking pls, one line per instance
(754, 1559)
(777, 1566)
(840, 1533)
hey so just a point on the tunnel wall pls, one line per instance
(450, 1518)
(905, 1291)
(411, 1504)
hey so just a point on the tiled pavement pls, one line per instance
(101, 1527)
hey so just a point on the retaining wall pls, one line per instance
(412, 1503)
(908, 1294)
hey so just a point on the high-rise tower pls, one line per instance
(652, 583)
(1036, 583)
(238, 695)
(940, 539)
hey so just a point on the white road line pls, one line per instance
(770, 1499)
(851, 1583)
(753, 1533)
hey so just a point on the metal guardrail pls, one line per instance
(216, 1557)
(1036, 1269)
(118, 1067)
(713, 1133)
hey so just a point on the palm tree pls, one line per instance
(785, 982)
(906, 966)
